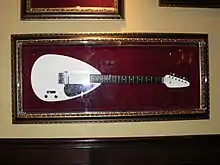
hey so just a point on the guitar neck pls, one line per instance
(117, 79)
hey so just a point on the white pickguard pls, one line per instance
(44, 76)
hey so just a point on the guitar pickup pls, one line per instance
(60, 78)
(63, 77)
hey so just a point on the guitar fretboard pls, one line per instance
(117, 79)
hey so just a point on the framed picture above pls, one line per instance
(109, 77)
(190, 3)
(72, 9)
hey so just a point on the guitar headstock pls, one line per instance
(173, 81)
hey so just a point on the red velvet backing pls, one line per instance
(149, 60)
(71, 3)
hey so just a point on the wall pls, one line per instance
(141, 16)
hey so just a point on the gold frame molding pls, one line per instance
(20, 116)
(30, 13)
(190, 4)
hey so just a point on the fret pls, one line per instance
(142, 78)
(139, 79)
(131, 79)
(119, 79)
(105, 79)
(114, 79)
(97, 79)
(94, 78)
(148, 80)
(91, 78)
(160, 79)
(153, 80)
(123, 79)
(156, 80)
(109, 78)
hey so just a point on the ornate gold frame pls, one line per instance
(30, 13)
(191, 3)
(20, 116)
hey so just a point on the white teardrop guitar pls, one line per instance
(58, 78)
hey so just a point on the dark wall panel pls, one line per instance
(200, 149)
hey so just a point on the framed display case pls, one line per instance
(190, 3)
(69, 9)
(109, 77)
